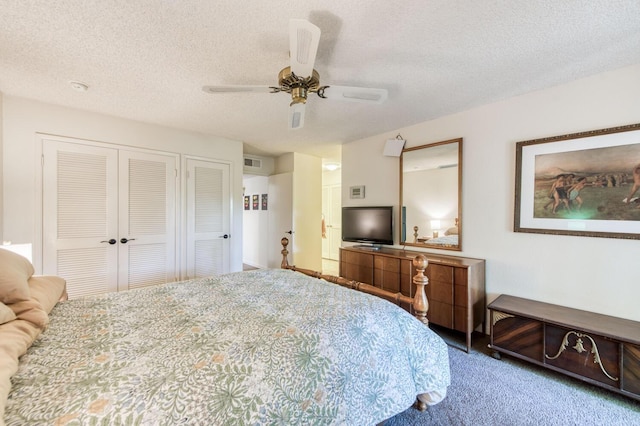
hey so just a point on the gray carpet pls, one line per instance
(486, 391)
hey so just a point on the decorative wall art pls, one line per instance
(584, 184)
(247, 206)
(265, 202)
(256, 202)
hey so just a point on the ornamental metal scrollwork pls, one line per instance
(579, 347)
(497, 316)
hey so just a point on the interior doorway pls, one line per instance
(331, 219)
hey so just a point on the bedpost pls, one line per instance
(285, 263)
(420, 302)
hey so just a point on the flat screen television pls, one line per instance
(368, 225)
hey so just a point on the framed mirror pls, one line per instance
(431, 195)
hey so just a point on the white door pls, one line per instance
(108, 217)
(208, 218)
(280, 218)
(332, 216)
(326, 216)
(334, 227)
(80, 216)
(147, 223)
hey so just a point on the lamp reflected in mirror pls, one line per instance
(435, 227)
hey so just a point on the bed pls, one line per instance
(257, 347)
(448, 238)
(445, 241)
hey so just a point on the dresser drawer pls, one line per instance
(440, 273)
(387, 263)
(406, 277)
(360, 259)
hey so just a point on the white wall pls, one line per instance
(22, 119)
(331, 177)
(1, 170)
(594, 274)
(307, 211)
(255, 246)
(303, 217)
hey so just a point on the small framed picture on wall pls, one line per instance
(265, 201)
(256, 202)
(246, 203)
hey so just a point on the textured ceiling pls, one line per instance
(147, 60)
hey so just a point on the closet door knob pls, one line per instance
(111, 241)
(124, 240)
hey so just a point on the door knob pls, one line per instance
(111, 241)
(225, 236)
(124, 240)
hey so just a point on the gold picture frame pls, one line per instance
(585, 184)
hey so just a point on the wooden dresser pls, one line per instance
(456, 291)
(599, 349)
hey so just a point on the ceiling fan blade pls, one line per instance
(356, 94)
(296, 116)
(236, 89)
(304, 38)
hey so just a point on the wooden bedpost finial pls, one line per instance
(420, 302)
(285, 263)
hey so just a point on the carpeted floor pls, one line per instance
(486, 391)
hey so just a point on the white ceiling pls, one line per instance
(148, 59)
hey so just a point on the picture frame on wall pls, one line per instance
(247, 206)
(256, 202)
(583, 184)
(265, 201)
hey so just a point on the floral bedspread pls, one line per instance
(256, 348)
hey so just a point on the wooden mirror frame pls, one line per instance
(450, 221)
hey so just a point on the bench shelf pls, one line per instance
(598, 349)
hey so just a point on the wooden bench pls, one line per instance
(598, 349)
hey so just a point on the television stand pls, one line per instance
(371, 247)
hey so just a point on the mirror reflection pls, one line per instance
(430, 188)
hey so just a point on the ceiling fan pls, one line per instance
(299, 78)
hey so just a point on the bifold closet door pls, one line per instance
(208, 218)
(108, 217)
(147, 221)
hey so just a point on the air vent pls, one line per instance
(254, 165)
(252, 162)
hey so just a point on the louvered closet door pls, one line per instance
(80, 214)
(147, 223)
(208, 218)
(93, 198)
